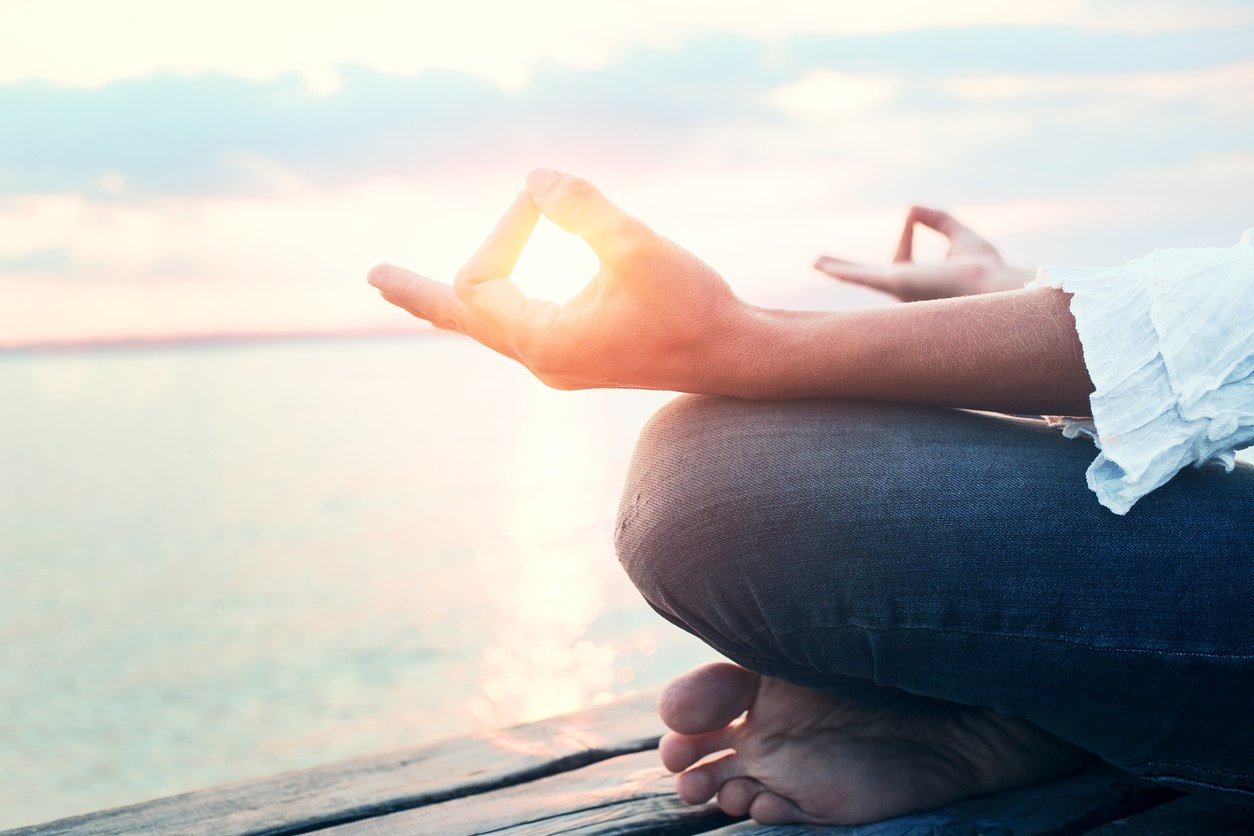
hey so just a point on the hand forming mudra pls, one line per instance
(656, 317)
(653, 317)
(973, 265)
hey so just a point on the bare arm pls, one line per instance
(1011, 352)
(657, 317)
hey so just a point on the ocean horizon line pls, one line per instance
(211, 338)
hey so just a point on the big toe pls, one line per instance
(708, 697)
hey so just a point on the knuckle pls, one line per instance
(541, 368)
(633, 252)
(464, 282)
(638, 247)
(574, 197)
(975, 271)
(556, 382)
(577, 190)
(544, 362)
(450, 319)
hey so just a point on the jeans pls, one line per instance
(913, 557)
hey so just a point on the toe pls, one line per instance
(708, 697)
(701, 783)
(736, 796)
(769, 808)
(680, 751)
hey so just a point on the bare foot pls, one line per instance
(801, 756)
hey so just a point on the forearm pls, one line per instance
(1012, 352)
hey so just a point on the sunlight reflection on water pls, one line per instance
(222, 562)
(543, 584)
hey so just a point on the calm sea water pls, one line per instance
(221, 562)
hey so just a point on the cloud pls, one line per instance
(45, 261)
(1039, 51)
(824, 95)
(86, 43)
(209, 202)
(1229, 87)
(219, 134)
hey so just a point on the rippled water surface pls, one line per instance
(221, 562)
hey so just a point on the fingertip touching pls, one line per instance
(937, 219)
(539, 180)
(579, 207)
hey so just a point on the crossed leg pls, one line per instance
(927, 605)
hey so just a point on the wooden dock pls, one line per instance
(596, 773)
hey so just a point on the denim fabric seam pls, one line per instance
(993, 634)
(1193, 782)
(1190, 768)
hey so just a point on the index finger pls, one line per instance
(436, 303)
(483, 283)
(936, 219)
(581, 209)
(963, 240)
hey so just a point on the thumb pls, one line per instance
(578, 207)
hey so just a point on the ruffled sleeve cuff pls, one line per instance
(1168, 341)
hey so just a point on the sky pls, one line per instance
(184, 168)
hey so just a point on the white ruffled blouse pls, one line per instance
(1168, 340)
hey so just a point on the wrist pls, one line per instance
(770, 354)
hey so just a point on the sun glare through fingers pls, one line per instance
(555, 265)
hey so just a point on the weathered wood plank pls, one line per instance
(1192, 815)
(633, 795)
(1074, 805)
(628, 794)
(311, 799)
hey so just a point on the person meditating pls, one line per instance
(929, 592)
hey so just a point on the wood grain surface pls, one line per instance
(312, 799)
(594, 773)
(1074, 805)
(628, 794)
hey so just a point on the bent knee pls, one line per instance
(723, 488)
(716, 484)
(666, 495)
